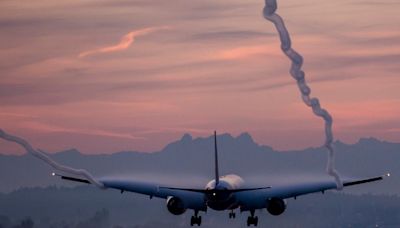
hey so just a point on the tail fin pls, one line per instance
(216, 159)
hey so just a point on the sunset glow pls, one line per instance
(111, 77)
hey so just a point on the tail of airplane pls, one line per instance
(216, 159)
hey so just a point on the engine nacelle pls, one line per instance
(175, 205)
(276, 206)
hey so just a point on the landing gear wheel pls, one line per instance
(251, 220)
(232, 215)
(195, 220)
(192, 221)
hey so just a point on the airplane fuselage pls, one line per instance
(220, 200)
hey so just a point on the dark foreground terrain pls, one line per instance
(86, 207)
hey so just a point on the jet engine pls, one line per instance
(175, 205)
(276, 206)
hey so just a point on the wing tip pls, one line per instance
(363, 181)
(70, 178)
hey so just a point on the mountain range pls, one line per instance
(189, 161)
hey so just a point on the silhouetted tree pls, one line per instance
(25, 223)
(4, 221)
(101, 219)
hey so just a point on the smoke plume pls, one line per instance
(298, 75)
(41, 155)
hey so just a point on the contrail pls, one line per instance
(125, 42)
(41, 155)
(298, 75)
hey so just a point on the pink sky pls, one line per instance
(106, 76)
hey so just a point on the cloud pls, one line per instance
(355, 113)
(374, 3)
(243, 52)
(125, 43)
(15, 115)
(217, 36)
(53, 129)
(198, 66)
(396, 130)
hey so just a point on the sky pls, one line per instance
(104, 76)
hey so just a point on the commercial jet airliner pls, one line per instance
(224, 193)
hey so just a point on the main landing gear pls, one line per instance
(196, 219)
(252, 220)
(232, 215)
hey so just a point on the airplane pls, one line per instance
(224, 193)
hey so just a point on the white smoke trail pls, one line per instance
(41, 155)
(298, 75)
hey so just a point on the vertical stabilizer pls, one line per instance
(216, 159)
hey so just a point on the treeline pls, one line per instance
(100, 219)
(86, 207)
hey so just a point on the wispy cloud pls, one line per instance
(53, 129)
(396, 130)
(17, 115)
(216, 36)
(126, 41)
(243, 52)
(217, 54)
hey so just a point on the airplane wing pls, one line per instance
(249, 198)
(257, 199)
(192, 199)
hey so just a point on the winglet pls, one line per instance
(216, 159)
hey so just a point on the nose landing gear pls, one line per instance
(232, 215)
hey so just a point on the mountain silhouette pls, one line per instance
(190, 160)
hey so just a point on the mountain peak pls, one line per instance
(186, 138)
(368, 140)
(245, 137)
(71, 151)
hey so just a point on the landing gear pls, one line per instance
(196, 219)
(232, 215)
(252, 220)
